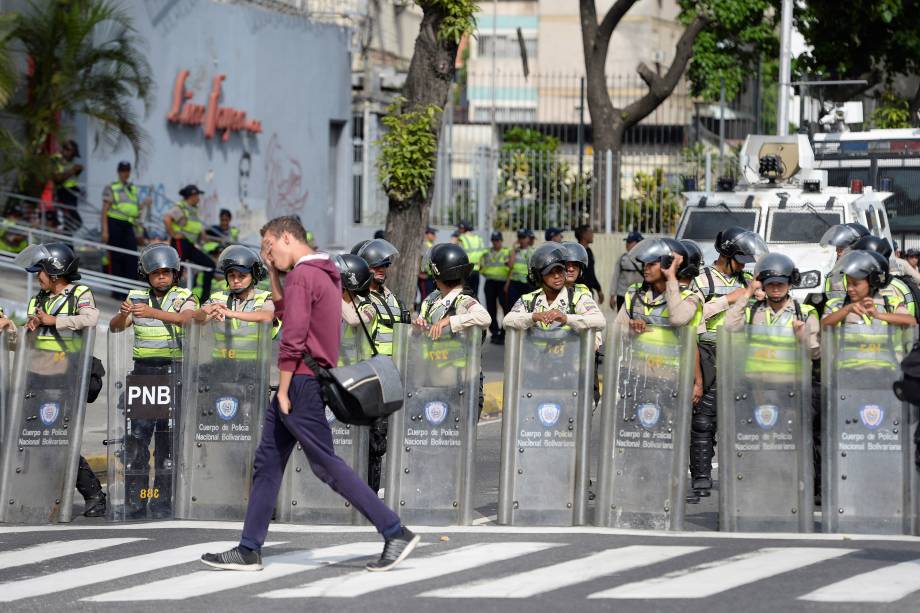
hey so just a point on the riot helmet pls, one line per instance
(661, 250)
(741, 245)
(242, 258)
(544, 259)
(157, 257)
(874, 243)
(358, 247)
(449, 262)
(56, 259)
(693, 261)
(843, 234)
(867, 265)
(777, 268)
(378, 253)
(577, 253)
(356, 274)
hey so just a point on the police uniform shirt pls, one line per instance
(189, 304)
(764, 315)
(469, 313)
(587, 313)
(718, 304)
(86, 316)
(629, 272)
(350, 315)
(894, 306)
(681, 309)
(900, 268)
(238, 304)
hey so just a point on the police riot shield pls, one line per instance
(868, 477)
(303, 497)
(432, 440)
(548, 398)
(4, 379)
(766, 461)
(645, 427)
(144, 395)
(44, 426)
(224, 399)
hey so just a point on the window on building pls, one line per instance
(506, 46)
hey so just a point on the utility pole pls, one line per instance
(785, 70)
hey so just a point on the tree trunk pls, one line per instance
(428, 82)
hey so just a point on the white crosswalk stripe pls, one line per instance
(886, 584)
(412, 570)
(105, 571)
(716, 577)
(557, 576)
(211, 581)
(57, 549)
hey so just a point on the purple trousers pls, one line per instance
(306, 424)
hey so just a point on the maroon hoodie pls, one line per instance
(311, 314)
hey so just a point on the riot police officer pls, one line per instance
(902, 287)
(494, 266)
(867, 274)
(359, 317)
(61, 309)
(474, 247)
(158, 314)
(722, 285)
(519, 267)
(553, 305)
(242, 302)
(379, 254)
(841, 237)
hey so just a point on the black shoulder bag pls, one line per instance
(361, 393)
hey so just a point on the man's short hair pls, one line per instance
(286, 223)
(581, 231)
(226, 212)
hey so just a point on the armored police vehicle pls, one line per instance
(784, 197)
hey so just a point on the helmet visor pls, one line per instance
(751, 246)
(839, 236)
(378, 251)
(650, 250)
(32, 257)
(157, 258)
(856, 264)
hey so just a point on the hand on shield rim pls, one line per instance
(438, 328)
(637, 326)
(6, 324)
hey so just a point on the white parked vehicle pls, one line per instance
(782, 196)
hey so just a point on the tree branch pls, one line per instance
(613, 17)
(660, 87)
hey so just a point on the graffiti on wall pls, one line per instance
(286, 193)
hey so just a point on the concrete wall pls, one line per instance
(282, 70)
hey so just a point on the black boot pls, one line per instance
(89, 487)
(95, 507)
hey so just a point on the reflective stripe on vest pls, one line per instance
(60, 166)
(152, 339)
(494, 264)
(773, 346)
(867, 346)
(659, 345)
(49, 338)
(721, 286)
(655, 312)
(473, 245)
(520, 268)
(239, 340)
(389, 312)
(125, 204)
(835, 289)
(191, 229)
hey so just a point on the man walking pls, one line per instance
(311, 310)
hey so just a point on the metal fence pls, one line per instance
(635, 189)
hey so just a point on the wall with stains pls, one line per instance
(290, 76)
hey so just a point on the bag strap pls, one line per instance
(169, 327)
(354, 304)
(571, 293)
(711, 291)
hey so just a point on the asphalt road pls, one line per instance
(149, 567)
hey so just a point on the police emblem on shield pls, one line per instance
(436, 412)
(766, 415)
(49, 412)
(549, 414)
(648, 413)
(872, 416)
(330, 416)
(227, 407)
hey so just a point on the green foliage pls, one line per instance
(859, 39)
(87, 59)
(407, 150)
(739, 33)
(652, 202)
(535, 183)
(8, 75)
(459, 17)
(892, 112)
